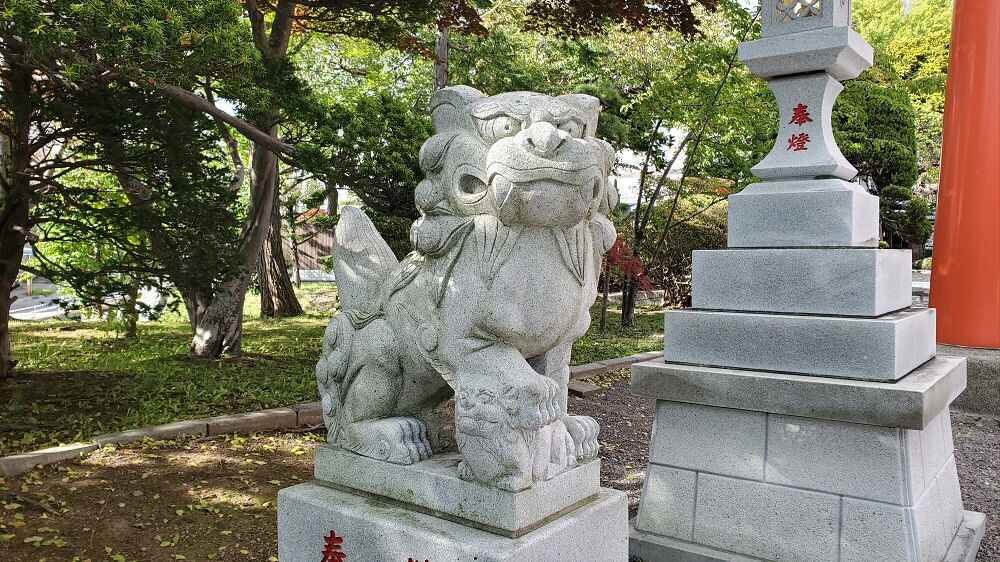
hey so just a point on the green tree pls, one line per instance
(875, 126)
(915, 37)
(904, 216)
(873, 122)
(181, 51)
(695, 108)
(156, 207)
(79, 57)
(376, 158)
(100, 259)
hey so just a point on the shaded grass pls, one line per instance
(78, 379)
(617, 341)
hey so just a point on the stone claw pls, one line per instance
(399, 440)
(514, 483)
(537, 400)
(583, 430)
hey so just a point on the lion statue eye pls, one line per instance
(499, 127)
(574, 129)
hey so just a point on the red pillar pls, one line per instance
(965, 278)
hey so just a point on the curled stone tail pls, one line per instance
(362, 260)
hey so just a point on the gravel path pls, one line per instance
(977, 452)
(626, 422)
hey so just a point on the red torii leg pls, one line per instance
(965, 279)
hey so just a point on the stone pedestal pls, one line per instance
(376, 511)
(801, 412)
(754, 465)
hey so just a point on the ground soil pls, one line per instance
(977, 453)
(214, 498)
(626, 421)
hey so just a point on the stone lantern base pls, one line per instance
(360, 509)
(748, 465)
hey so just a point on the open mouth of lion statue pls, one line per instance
(543, 196)
(545, 174)
(530, 160)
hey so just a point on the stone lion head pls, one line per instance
(529, 159)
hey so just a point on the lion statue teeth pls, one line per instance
(485, 309)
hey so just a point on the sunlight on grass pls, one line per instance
(78, 379)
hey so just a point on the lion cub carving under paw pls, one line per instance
(507, 253)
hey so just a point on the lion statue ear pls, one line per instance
(588, 105)
(448, 106)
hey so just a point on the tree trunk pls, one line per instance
(443, 53)
(277, 295)
(629, 290)
(130, 313)
(668, 289)
(603, 324)
(13, 226)
(217, 320)
(15, 159)
(296, 264)
(332, 202)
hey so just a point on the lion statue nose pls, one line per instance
(543, 139)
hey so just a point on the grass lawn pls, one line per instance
(78, 379)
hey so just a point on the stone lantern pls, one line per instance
(801, 411)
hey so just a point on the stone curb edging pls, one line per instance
(589, 370)
(579, 387)
(308, 414)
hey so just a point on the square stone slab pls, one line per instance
(883, 348)
(848, 282)
(909, 403)
(649, 546)
(839, 51)
(433, 486)
(827, 213)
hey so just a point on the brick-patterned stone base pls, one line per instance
(757, 485)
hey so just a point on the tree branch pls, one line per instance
(246, 129)
(665, 235)
(239, 173)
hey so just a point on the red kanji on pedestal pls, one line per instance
(800, 115)
(798, 142)
(332, 551)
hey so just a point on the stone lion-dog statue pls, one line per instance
(485, 309)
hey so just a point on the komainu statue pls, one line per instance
(484, 311)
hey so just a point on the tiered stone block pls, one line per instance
(839, 51)
(389, 512)
(802, 281)
(828, 213)
(883, 348)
